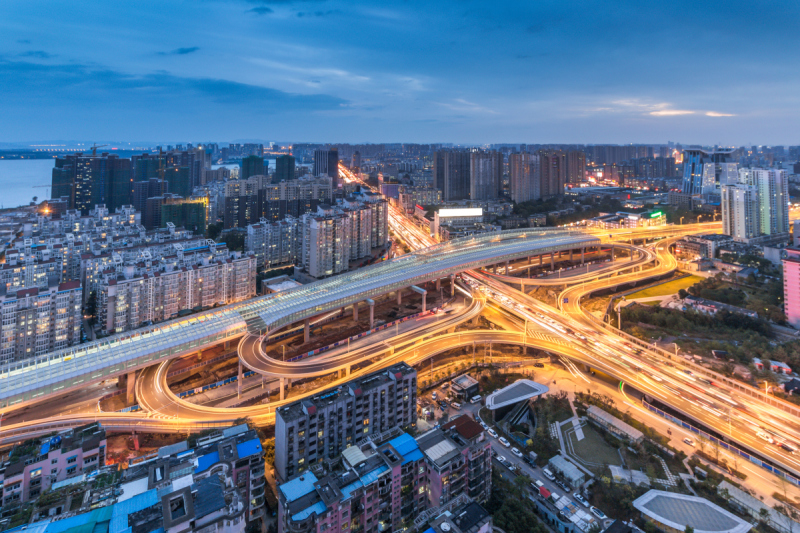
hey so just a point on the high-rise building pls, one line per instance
(696, 178)
(740, 213)
(275, 243)
(456, 176)
(89, 180)
(553, 173)
(791, 286)
(190, 213)
(327, 162)
(576, 166)
(772, 186)
(486, 175)
(284, 168)
(319, 428)
(438, 171)
(355, 162)
(142, 190)
(524, 172)
(252, 165)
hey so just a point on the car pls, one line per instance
(492, 433)
(765, 436)
(475, 399)
(501, 459)
(530, 461)
(538, 365)
(484, 425)
(564, 486)
(581, 500)
(598, 513)
(434, 396)
(504, 442)
(688, 441)
(536, 484)
(443, 405)
(444, 385)
(787, 448)
(455, 405)
(548, 474)
(516, 452)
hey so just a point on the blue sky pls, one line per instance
(416, 71)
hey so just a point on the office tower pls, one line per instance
(486, 175)
(93, 180)
(284, 168)
(740, 212)
(553, 173)
(319, 428)
(37, 321)
(696, 178)
(772, 189)
(576, 167)
(524, 171)
(355, 162)
(327, 162)
(189, 213)
(252, 166)
(456, 180)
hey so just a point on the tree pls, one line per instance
(91, 307)
(213, 231)
(682, 294)
(269, 452)
(688, 529)
(702, 441)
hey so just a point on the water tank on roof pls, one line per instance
(55, 441)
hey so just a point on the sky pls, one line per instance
(461, 71)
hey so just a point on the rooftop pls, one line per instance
(679, 510)
(522, 389)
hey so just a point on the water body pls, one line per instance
(18, 178)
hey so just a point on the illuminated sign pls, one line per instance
(656, 214)
(461, 212)
(419, 207)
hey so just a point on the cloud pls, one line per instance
(261, 10)
(38, 54)
(715, 114)
(671, 112)
(101, 89)
(181, 51)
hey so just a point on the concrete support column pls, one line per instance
(227, 345)
(612, 252)
(131, 386)
(507, 268)
(283, 389)
(541, 256)
(399, 296)
(306, 330)
(424, 294)
(583, 254)
(371, 313)
(438, 283)
(570, 254)
(355, 312)
(494, 269)
(239, 381)
(452, 285)
(632, 253)
(529, 259)
(552, 261)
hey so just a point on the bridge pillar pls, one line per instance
(529, 260)
(424, 294)
(552, 261)
(570, 254)
(131, 386)
(583, 254)
(227, 345)
(355, 311)
(452, 285)
(612, 252)
(399, 296)
(283, 389)
(306, 330)
(632, 252)
(371, 304)
(507, 268)
(541, 257)
(239, 381)
(344, 372)
(438, 283)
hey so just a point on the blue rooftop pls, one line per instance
(299, 486)
(371, 476)
(204, 462)
(121, 510)
(248, 448)
(318, 508)
(407, 447)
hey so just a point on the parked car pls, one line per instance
(538, 365)
(548, 474)
(455, 405)
(502, 460)
(443, 405)
(504, 442)
(516, 452)
(564, 486)
(688, 441)
(492, 433)
(598, 513)
(484, 425)
(475, 399)
(434, 396)
(536, 484)
(580, 499)
(530, 461)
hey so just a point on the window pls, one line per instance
(422, 490)
(72, 459)
(71, 470)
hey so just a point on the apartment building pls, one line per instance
(37, 321)
(137, 295)
(389, 480)
(35, 465)
(317, 429)
(274, 243)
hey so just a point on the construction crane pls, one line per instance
(95, 147)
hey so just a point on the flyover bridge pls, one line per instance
(61, 371)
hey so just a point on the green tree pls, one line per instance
(91, 307)
(688, 529)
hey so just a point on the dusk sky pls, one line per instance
(619, 71)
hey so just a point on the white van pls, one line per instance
(548, 474)
(475, 399)
(455, 405)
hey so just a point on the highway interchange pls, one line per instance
(571, 331)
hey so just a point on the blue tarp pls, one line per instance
(298, 487)
(248, 448)
(206, 461)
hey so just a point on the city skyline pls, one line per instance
(457, 72)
